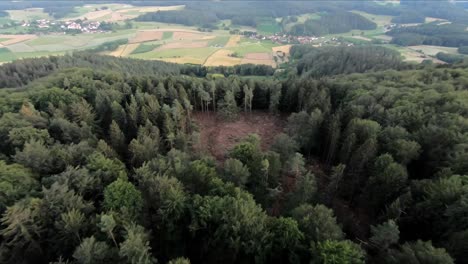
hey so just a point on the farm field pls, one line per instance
(178, 43)
(115, 12)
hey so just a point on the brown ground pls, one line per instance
(187, 35)
(218, 136)
(146, 35)
(116, 17)
(258, 56)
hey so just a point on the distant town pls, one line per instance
(74, 26)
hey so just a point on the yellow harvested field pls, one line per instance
(129, 49)
(285, 49)
(233, 41)
(118, 52)
(208, 37)
(116, 16)
(146, 35)
(183, 60)
(187, 35)
(13, 39)
(184, 45)
(222, 58)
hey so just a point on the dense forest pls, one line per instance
(450, 35)
(99, 162)
(333, 23)
(318, 62)
(408, 17)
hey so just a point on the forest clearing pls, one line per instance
(218, 135)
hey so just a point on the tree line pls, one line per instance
(449, 35)
(102, 166)
(333, 23)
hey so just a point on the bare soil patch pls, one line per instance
(146, 35)
(258, 56)
(116, 16)
(218, 136)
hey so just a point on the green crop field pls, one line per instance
(246, 47)
(268, 27)
(28, 14)
(219, 41)
(6, 55)
(167, 35)
(144, 48)
(190, 49)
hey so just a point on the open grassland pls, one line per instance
(182, 55)
(380, 20)
(28, 14)
(233, 41)
(146, 40)
(412, 55)
(300, 20)
(13, 39)
(218, 41)
(433, 50)
(6, 55)
(268, 27)
(139, 48)
(247, 46)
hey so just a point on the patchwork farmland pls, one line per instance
(178, 43)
